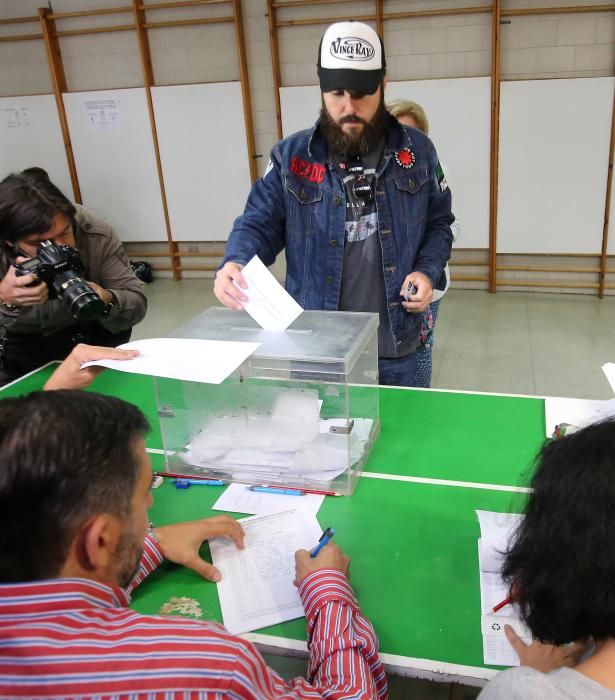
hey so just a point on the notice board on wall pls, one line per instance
(115, 159)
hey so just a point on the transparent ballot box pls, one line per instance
(301, 411)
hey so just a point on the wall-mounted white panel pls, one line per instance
(300, 107)
(30, 135)
(459, 125)
(116, 164)
(204, 154)
(554, 148)
(459, 118)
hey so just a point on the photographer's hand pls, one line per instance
(104, 294)
(16, 290)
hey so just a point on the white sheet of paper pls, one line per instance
(609, 371)
(577, 412)
(497, 649)
(497, 530)
(239, 499)
(257, 588)
(270, 305)
(206, 361)
(492, 591)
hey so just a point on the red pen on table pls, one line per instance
(314, 491)
(502, 604)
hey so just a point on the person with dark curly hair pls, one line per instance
(561, 571)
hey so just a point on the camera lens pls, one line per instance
(78, 297)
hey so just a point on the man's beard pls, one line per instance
(354, 143)
(129, 552)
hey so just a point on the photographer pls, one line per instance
(43, 320)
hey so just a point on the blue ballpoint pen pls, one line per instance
(325, 538)
(273, 489)
(187, 483)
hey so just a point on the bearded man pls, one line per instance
(359, 202)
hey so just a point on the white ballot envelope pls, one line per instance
(269, 304)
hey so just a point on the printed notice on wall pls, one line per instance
(16, 117)
(102, 114)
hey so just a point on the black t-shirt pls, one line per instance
(362, 286)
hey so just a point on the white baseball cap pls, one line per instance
(351, 57)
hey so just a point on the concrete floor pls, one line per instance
(522, 343)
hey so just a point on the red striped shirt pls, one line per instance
(75, 638)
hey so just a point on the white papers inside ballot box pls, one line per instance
(278, 435)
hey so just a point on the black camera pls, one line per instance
(60, 267)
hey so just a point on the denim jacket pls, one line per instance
(299, 205)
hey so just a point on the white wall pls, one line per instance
(570, 45)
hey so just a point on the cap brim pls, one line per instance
(365, 81)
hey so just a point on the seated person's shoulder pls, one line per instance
(525, 683)
(518, 683)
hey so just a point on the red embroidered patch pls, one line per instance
(405, 158)
(313, 172)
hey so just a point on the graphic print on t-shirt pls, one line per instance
(361, 216)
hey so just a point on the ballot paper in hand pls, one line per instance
(257, 587)
(269, 304)
(190, 359)
(497, 530)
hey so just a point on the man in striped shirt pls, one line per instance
(74, 492)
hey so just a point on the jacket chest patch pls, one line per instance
(313, 172)
(405, 158)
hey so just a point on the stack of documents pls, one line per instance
(257, 588)
(497, 530)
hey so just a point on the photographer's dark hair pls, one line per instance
(35, 173)
(64, 457)
(561, 566)
(29, 202)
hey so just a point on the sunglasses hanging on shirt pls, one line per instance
(361, 188)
